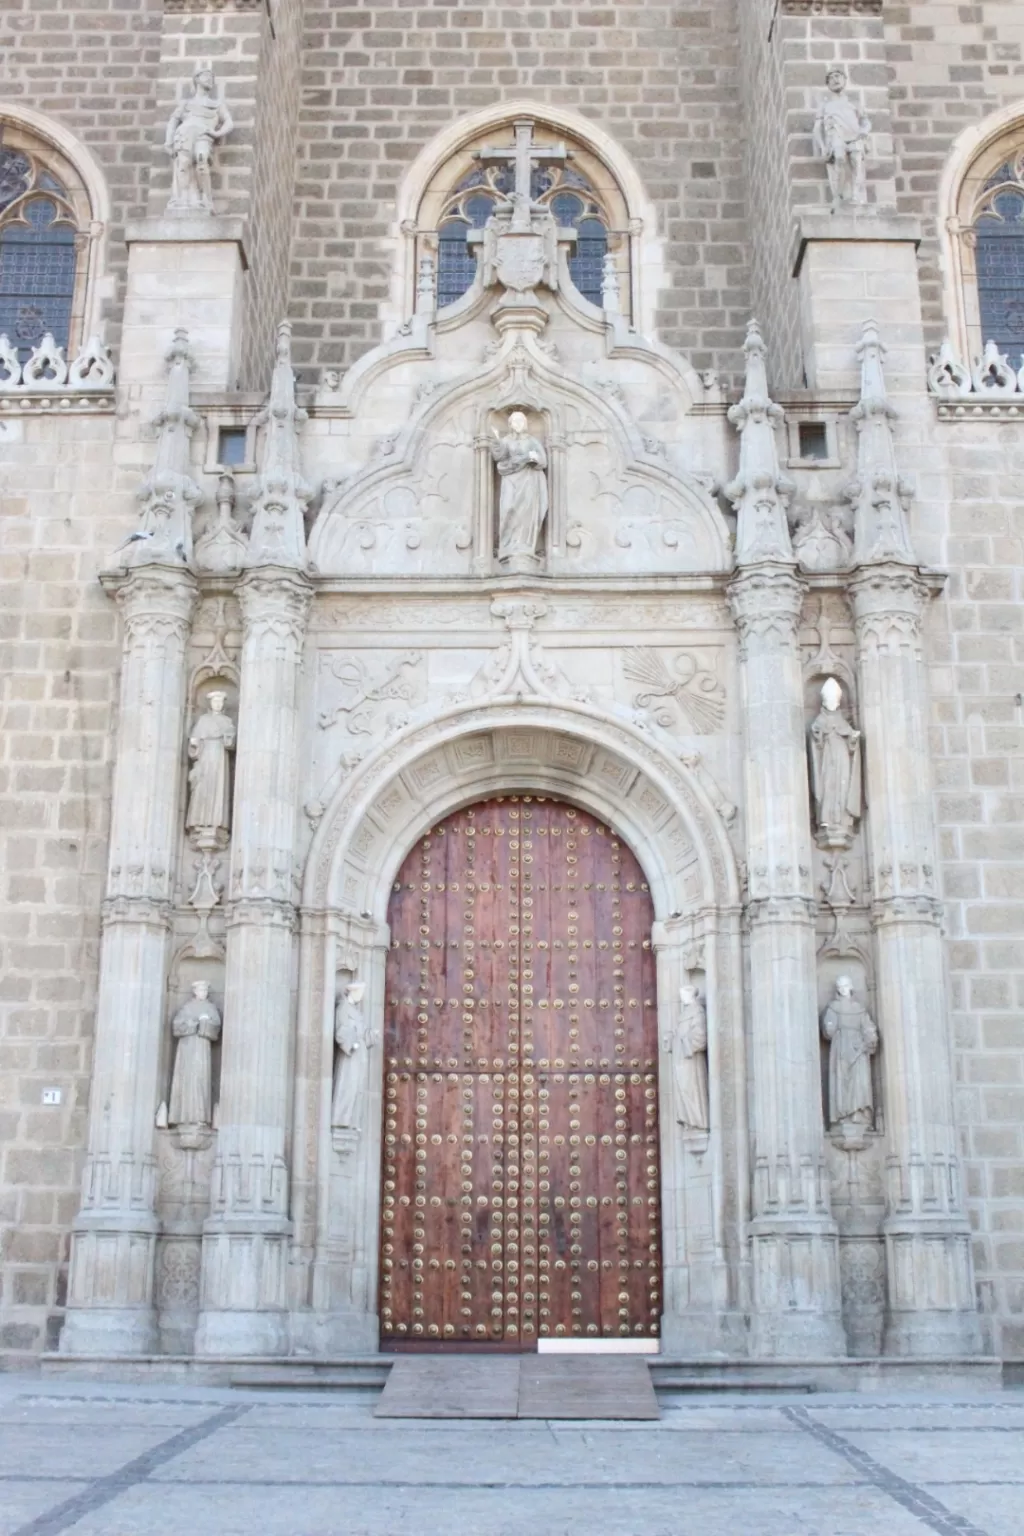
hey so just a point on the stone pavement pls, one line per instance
(113, 1460)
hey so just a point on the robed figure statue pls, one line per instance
(354, 1040)
(210, 741)
(853, 1038)
(522, 463)
(195, 1027)
(835, 770)
(689, 1047)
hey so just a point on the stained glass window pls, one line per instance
(999, 256)
(38, 254)
(572, 201)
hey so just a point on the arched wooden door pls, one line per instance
(521, 1191)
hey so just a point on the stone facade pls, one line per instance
(705, 565)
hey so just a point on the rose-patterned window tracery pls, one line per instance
(39, 252)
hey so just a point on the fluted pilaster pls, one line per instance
(110, 1305)
(795, 1240)
(245, 1242)
(931, 1303)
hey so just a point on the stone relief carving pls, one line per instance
(836, 780)
(366, 688)
(278, 535)
(674, 685)
(197, 124)
(853, 1040)
(520, 239)
(354, 1040)
(841, 137)
(195, 1026)
(204, 899)
(522, 463)
(210, 744)
(820, 540)
(519, 667)
(46, 367)
(688, 1045)
(879, 494)
(221, 548)
(169, 495)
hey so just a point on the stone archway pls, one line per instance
(574, 753)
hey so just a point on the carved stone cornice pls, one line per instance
(193, 7)
(251, 911)
(766, 602)
(828, 7)
(889, 603)
(149, 911)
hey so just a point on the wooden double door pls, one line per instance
(521, 1189)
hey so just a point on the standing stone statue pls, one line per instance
(835, 770)
(355, 1040)
(522, 465)
(195, 1026)
(689, 1047)
(853, 1036)
(196, 125)
(210, 742)
(841, 134)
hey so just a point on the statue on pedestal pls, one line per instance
(196, 125)
(522, 463)
(195, 1026)
(834, 748)
(841, 134)
(210, 742)
(354, 1040)
(853, 1038)
(689, 1047)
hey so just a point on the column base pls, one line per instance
(797, 1308)
(930, 1309)
(344, 1331)
(243, 1333)
(694, 1335)
(110, 1331)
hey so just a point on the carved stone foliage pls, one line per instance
(47, 368)
(675, 689)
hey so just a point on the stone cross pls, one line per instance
(525, 156)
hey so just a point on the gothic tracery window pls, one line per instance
(580, 192)
(999, 257)
(41, 217)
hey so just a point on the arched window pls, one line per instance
(582, 196)
(44, 231)
(983, 237)
(999, 257)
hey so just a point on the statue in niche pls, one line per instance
(841, 133)
(210, 743)
(354, 1040)
(196, 125)
(522, 463)
(689, 1047)
(853, 1039)
(195, 1026)
(835, 770)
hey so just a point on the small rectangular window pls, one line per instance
(231, 446)
(813, 440)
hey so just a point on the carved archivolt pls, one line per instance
(570, 750)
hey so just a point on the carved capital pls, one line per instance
(157, 601)
(766, 603)
(889, 602)
(274, 601)
(144, 910)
